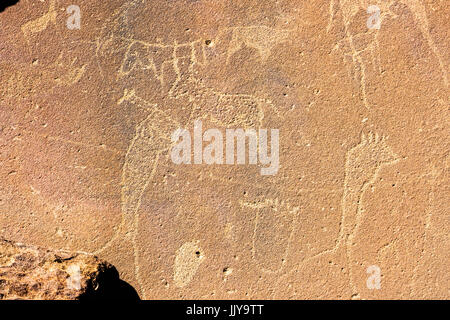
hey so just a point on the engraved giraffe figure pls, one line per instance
(363, 164)
(349, 9)
(151, 143)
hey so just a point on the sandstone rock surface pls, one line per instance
(358, 207)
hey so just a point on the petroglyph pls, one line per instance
(151, 142)
(358, 72)
(273, 232)
(71, 73)
(152, 139)
(23, 79)
(188, 259)
(419, 12)
(433, 173)
(141, 55)
(352, 46)
(261, 38)
(224, 109)
(362, 167)
(218, 231)
(40, 24)
(228, 109)
(349, 9)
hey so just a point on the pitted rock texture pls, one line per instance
(28, 272)
(86, 118)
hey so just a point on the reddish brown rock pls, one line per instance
(29, 272)
(86, 118)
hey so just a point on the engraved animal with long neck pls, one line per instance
(354, 47)
(362, 166)
(152, 143)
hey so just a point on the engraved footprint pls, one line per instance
(273, 231)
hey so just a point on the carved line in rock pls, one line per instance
(272, 214)
(41, 23)
(261, 38)
(150, 141)
(434, 173)
(362, 167)
(349, 201)
(350, 8)
(372, 154)
(250, 111)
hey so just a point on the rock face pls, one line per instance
(32, 273)
(351, 203)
